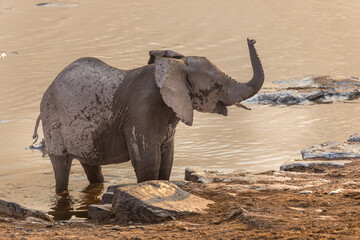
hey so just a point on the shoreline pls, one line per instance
(314, 201)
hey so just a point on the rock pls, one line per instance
(16, 210)
(323, 89)
(55, 4)
(337, 191)
(36, 220)
(297, 209)
(354, 138)
(154, 201)
(332, 150)
(285, 97)
(100, 211)
(306, 192)
(200, 176)
(107, 197)
(350, 183)
(116, 228)
(301, 165)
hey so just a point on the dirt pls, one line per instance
(252, 214)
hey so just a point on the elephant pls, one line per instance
(99, 114)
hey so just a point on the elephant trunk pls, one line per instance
(258, 73)
(237, 91)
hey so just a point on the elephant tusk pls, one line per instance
(239, 105)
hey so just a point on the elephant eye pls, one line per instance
(218, 86)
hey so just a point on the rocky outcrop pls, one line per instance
(16, 210)
(315, 165)
(151, 201)
(329, 154)
(253, 182)
(324, 89)
(332, 150)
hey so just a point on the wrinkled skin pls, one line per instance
(101, 115)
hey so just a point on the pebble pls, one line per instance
(306, 192)
(337, 191)
(350, 183)
(116, 228)
(297, 209)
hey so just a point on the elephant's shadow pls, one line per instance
(66, 206)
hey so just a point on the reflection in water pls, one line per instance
(66, 207)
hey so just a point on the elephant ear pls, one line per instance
(170, 76)
(163, 53)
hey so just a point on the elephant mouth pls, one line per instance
(220, 108)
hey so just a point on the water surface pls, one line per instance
(295, 39)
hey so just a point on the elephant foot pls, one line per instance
(61, 166)
(93, 173)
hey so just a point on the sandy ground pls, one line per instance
(252, 214)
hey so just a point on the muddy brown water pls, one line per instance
(295, 39)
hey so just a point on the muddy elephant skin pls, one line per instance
(101, 115)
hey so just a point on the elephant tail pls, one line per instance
(36, 136)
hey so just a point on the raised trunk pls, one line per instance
(237, 91)
(258, 73)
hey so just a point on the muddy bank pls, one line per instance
(309, 199)
(304, 206)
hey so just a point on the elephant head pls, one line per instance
(188, 83)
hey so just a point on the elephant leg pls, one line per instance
(167, 158)
(93, 173)
(61, 166)
(145, 160)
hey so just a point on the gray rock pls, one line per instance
(15, 210)
(337, 191)
(154, 201)
(201, 176)
(324, 89)
(332, 150)
(354, 138)
(285, 97)
(100, 211)
(301, 164)
(306, 192)
(116, 228)
(107, 198)
(34, 220)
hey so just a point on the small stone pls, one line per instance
(305, 192)
(350, 183)
(297, 209)
(337, 191)
(354, 138)
(183, 228)
(100, 211)
(116, 228)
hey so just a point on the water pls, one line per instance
(295, 39)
